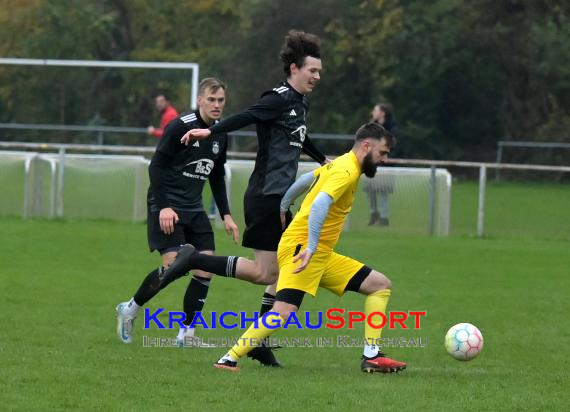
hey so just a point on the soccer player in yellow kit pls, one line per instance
(306, 253)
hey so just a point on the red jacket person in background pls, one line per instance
(167, 112)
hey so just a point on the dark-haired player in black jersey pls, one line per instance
(175, 211)
(280, 118)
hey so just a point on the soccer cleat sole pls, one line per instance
(375, 369)
(227, 368)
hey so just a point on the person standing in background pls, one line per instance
(167, 113)
(382, 114)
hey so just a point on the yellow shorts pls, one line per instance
(328, 270)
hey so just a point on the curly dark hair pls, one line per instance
(296, 47)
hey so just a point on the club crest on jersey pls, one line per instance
(215, 148)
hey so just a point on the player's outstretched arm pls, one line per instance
(311, 150)
(299, 187)
(230, 124)
(267, 108)
(195, 134)
(317, 215)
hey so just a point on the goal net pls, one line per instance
(15, 169)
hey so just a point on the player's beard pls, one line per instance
(368, 166)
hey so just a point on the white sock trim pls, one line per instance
(185, 332)
(226, 357)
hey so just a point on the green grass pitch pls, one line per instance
(61, 280)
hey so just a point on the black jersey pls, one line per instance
(280, 116)
(279, 144)
(178, 172)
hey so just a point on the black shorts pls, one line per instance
(263, 222)
(192, 227)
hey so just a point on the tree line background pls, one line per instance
(460, 74)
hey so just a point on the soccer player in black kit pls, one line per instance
(280, 119)
(175, 211)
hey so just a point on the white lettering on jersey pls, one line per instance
(203, 166)
(194, 176)
(302, 131)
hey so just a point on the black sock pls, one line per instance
(195, 297)
(219, 265)
(150, 286)
(267, 301)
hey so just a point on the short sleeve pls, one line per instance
(337, 182)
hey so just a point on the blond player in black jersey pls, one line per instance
(175, 211)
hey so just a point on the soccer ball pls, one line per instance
(464, 341)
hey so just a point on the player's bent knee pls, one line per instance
(285, 314)
(167, 259)
(202, 274)
(284, 309)
(261, 281)
(257, 279)
(374, 282)
(384, 283)
(265, 277)
(269, 278)
(381, 281)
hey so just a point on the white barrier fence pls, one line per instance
(73, 185)
(66, 185)
(436, 205)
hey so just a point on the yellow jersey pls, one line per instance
(339, 179)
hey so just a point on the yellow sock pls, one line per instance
(252, 336)
(375, 302)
